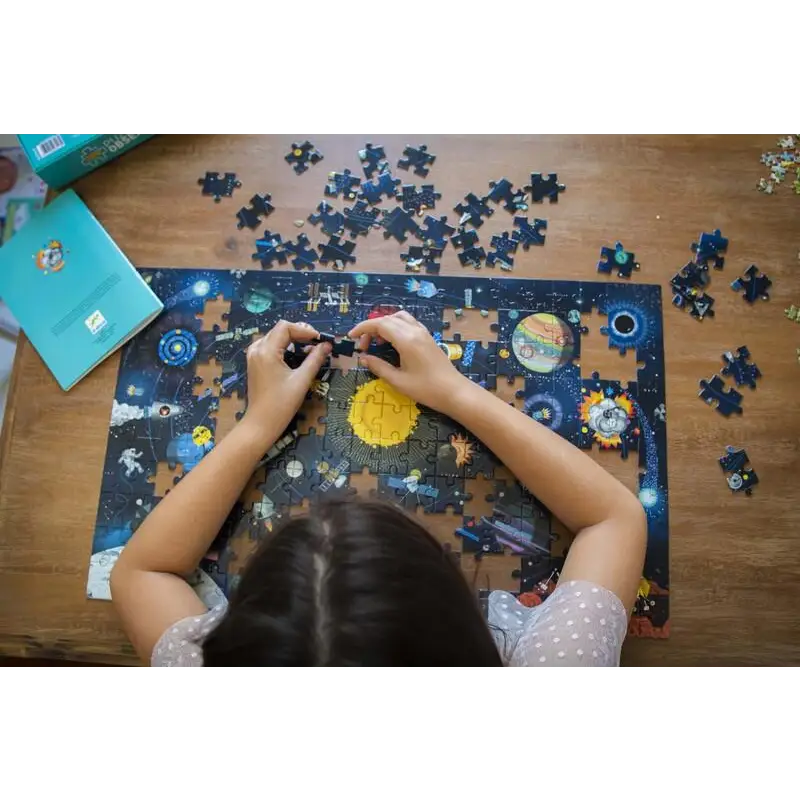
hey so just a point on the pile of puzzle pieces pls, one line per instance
(783, 165)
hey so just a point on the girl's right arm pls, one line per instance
(608, 521)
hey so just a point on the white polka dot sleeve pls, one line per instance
(181, 645)
(579, 625)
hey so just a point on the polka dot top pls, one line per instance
(579, 625)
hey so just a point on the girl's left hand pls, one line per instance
(274, 390)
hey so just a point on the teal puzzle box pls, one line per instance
(75, 294)
(60, 158)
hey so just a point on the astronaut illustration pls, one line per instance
(128, 459)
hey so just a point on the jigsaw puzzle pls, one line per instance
(167, 413)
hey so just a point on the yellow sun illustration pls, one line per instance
(381, 416)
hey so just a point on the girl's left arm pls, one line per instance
(147, 584)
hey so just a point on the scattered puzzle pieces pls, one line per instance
(502, 255)
(302, 155)
(617, 258)
(737, 365)
(268, 248)
(435, 231)
(344, 183)
(529, 232)
(383, 186)
(418, 258)
(398, 223)
(542, 186)
(219, 186)
(418, 158)
(754, 285)
(337, 253)
(360, 219)
(741, 477)
(305, 257)
(503, 191)
(472, 210)
(418, 201)
(708, 249)
(331, 219)
(792, 313)
(728, 402)
(251, 217)
(373, 159)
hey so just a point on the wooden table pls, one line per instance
(735, 559)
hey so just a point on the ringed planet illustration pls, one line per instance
(543, 343)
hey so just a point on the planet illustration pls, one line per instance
(543, 343)
(258, 300)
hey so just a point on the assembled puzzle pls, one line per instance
(165, 417)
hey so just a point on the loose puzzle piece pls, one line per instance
(305, 256)
(331, 219)
(472, 210)
(418, 258)
(435, 232)
(384, 186)
(505, 246)
(792, 313)
(530, 232)
(737, 365)
(544, 186)
(740, 477)
(360, 219)
(418, 158)
(268, 248)
(503, 191)
(219, 187)
(417, 201)
(373, 158)
(251, 217)
(337, 252)
(398, 223)
(617, 258)
(344, 183)
(754, 285)
(302, 155)
(714, 391)
(686, 287)
(708, 249)
(472, 255)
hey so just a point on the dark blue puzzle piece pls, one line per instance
(360, 219)
(435, 231)
(418, 200)
(544, 186)
(331, 219)
(530, 232)
(727, 402)
(398, 223)
(754, 285)
(418, 258)
(268, 248)
(740, 477)
(417, 158)
(337, 253)
(301, 155)
(305, 256)
(344, 183)
(383, 186)
(472, 210)
(373, 158)
(472, 255)
(708, 249)
(251, 217)
(619, 259)
(219, 186)
(504, 246)
(737, 365)
(503, 191)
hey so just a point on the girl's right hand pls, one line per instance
(425, 373)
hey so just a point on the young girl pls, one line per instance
(362, 583)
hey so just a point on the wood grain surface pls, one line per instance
(735, 560)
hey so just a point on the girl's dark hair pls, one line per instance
(355, 583)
